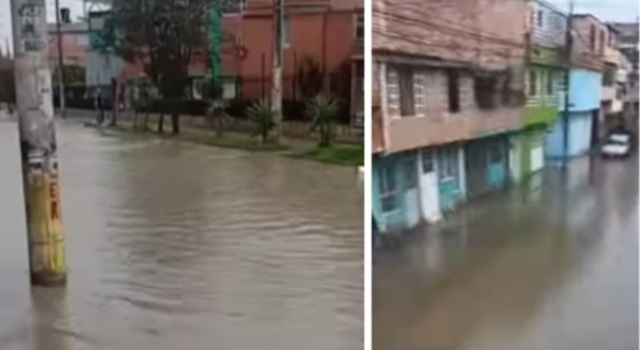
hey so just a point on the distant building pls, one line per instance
(449, 89)
(330, 32)
(628, 46)
(545, 86)
(75, 43)
(584, 125)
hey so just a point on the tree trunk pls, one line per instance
(175, 116)
(135, 119)
(175, 122)
(161, 123)
(220, 126)
(145, 122)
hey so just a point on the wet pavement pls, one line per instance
(179, 246)
(553, 267)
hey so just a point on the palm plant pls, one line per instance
(262, 113)
(323, 111)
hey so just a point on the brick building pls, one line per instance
(75, 42)
(448, 80)
(329, 32)
(583, 126)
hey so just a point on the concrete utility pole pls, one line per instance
(276, 73)
(567, 79)
(63, 109)
(37, 143)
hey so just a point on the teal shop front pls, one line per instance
(449, 178)
(487, 165)
(395, 192)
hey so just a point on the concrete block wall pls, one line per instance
(435, 124)
(551, 32)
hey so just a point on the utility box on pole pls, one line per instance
(45, 234)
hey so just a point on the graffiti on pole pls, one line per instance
(32, 36)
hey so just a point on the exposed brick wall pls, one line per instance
(489, 33)
(485, 34)
(582, 54)
(438, 125)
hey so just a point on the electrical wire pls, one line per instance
(444, 27)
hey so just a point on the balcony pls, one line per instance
(608, 93)
(622, 76)
(611, 56)
(406, 133)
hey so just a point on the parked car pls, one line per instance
(618, 145)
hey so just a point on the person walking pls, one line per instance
(99, 105)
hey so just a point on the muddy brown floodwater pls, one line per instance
(178, 246)
(554, 268)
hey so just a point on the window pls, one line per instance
(427, 162)
(360, 26)
(550, 82)
(540, 19)
(592, 38)
(388, 189)
(286, 32)
(558, 22)
(495, 155)
(610, 44)
(393, 91)
(533, 83)
(234, 7)
(411, 172)
(448, 164)
(602, 41)
(454, 90)
(419, 94)
(486, 92)
(406, 82)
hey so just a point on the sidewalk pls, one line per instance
(200, 132)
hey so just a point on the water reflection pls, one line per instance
(532, 274)
(173, 245)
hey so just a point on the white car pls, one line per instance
(618, 145)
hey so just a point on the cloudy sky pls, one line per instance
(606, 10)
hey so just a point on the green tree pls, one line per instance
(323, 111)
(162, 35)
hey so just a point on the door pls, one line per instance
(430, 202)
(448, 178)
(475, 166)
(497, 164)
(412, 196)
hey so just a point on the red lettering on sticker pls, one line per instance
(53, 197)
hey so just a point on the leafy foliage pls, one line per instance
(73, 74)
(262, 113)
(323, 110)
(163, 36)
(310, 77)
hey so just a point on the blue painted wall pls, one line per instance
(580, 124)
(585, 90)
(579, 133)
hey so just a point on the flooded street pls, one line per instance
(554, 268)
(179, 246)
